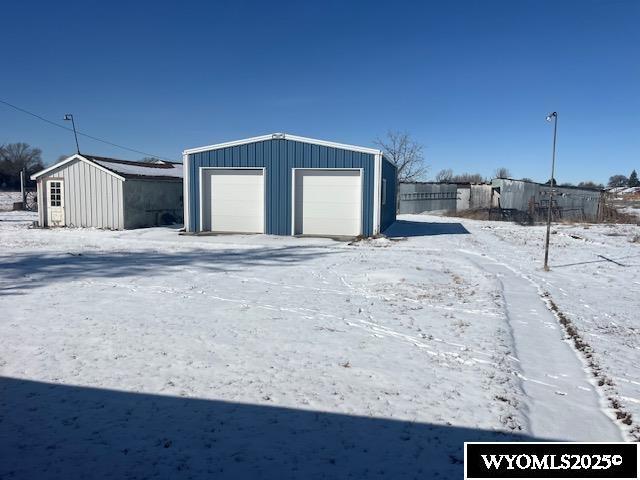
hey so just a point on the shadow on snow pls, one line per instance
(29, 270)
(406, 228)
(59, 431)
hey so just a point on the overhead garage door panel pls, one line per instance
(237, 201)
(328, 202)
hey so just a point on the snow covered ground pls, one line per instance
(7, 200)
(635, 211)
(146, 353)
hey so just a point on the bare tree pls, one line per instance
(21, 155)
(502, 172)
(591, 184)
(406, 154)
(618, 181)
(444, 176)
(468, 178)
(15, 157)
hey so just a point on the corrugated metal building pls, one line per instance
(437, 197)
(576, 203)
(282, 184)
(476, 196)
(91, 191)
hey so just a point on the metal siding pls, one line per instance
(324, 156)
(111, 203)
(281, 177)
(340, 157)
(417, 198)
(104, 206)
(306, 155)
(89, 196)
(41, 204)
(93, 198)
(331, 160)
(388, 210)
(111, 216)
(117, 211)
(120, 204)
(194, 213)
(279, 157)
(576, 203)
(79, 194)
(244, 155)
(296, 149)
(76, 179)
(75, 191)
(85, 207)
(97, 187)
(93, 202)
(117, 203)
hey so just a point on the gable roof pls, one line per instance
(121, 169)
(283, 136)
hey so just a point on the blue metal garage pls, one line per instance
(282, 184)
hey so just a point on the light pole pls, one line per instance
(69, 116)
(552, 116)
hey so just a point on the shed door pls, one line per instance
(237, 200)
(328, 202)
(55, 203)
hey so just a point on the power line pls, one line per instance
(15, 107)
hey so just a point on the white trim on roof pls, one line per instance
(70, 159)
(283, 136)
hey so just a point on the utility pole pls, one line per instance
(69, 116)
(552, 116)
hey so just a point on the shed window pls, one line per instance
(384, 191)
(54, 194)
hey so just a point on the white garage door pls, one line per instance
(328, 202)
(237, 200)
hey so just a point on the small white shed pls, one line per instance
(90, 191)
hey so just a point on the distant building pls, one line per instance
(529, 199)
(575, 203)
(90, 191)
(434, 197)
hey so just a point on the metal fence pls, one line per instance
(427, 197)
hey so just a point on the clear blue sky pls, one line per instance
(472, 81)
